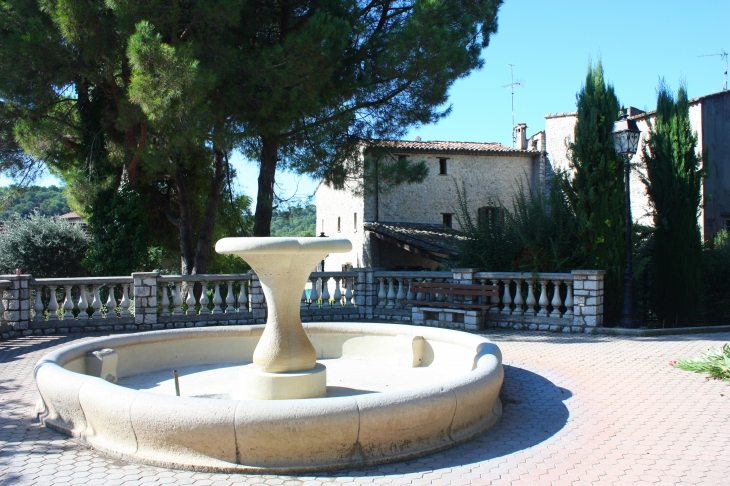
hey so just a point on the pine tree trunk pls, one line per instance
(265, 196)
(205, 235)
(187, 253)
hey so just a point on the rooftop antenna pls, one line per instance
(723, 55)
(512, 86)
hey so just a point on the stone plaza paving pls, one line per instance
(578, 410)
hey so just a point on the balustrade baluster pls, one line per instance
(569, 299)
(164, 289)
(125, 303)
(349, 284)
(190, 300)
(204, 300)
(52, 304)
(2, 306)
(230, 299)
(313, 294)
(557, 302)
(381, 293)
(507, 298)
(325, 291)
(401, 294)
(338, 293)
(519, 300)
(68, 303)
(38, 304)
(111, 302)
(83, 303)
(544, 302)
(217, 299)
(531, 302)
(96, 303)
(243, 298)
(494, 300)
(391, 293)
(420, 296)
(177, 300)
(409, 295)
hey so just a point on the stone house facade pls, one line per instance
(710, 119)
(406, 227)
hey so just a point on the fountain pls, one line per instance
(284, 397)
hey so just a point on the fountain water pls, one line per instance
(386, 392)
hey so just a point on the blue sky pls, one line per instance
(551, 44)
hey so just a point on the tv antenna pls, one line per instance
(512, 86)
(723, 56)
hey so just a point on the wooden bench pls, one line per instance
(445, 288)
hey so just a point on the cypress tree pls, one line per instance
(596, 191)
(674, 175)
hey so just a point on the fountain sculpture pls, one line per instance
(284, 397)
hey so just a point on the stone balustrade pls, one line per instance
(564, 302)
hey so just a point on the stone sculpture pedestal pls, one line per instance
(284, 362)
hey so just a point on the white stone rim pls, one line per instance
(483, 371)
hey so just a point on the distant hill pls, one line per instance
(50, 201)
(294, 221)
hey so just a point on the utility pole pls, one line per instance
(512, 86)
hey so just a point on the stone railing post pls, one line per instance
(366, 291)
(465, 276)
(16, 301)
(145, 300)
(588, 297)
(256, 297)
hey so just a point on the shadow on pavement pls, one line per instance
(533, 411)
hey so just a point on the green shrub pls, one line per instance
(714, 362)
(715, 290)
(42, 247)
(537, 234)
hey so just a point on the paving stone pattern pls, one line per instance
(578, 410)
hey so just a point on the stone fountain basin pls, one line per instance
(274, 436)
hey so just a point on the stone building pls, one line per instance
(710, 119)
(407, 227)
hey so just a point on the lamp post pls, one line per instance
(626, 136)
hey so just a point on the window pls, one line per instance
(338, 224)
(402, 158)
(447, 217)
(727, 224)
(354, 222)
(442, 167)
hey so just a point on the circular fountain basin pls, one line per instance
(393, 392)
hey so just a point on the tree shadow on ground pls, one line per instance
(533, 411)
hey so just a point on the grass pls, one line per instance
(715, 362)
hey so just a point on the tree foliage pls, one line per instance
(42, 247)
(295, 221)
(596, 190)
(49, 201)
(673, 182)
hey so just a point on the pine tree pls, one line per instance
(596, 190)
(674, 176)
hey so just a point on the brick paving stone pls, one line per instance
(577, 410)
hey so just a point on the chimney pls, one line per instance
(521, 136)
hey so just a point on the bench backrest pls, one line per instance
(455, 289)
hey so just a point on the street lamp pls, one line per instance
(626, 136)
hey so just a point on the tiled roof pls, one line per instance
(432, 238)
(441, 146)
